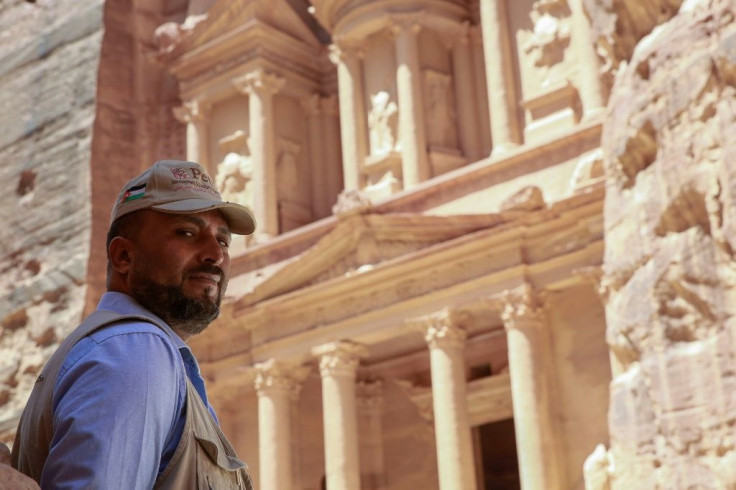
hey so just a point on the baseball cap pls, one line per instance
(177, 187)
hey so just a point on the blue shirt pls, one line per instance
(119, 404)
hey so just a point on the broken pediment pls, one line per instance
(362, 242)
(230, 17)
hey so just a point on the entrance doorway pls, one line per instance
(496, 462)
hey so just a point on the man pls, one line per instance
(121, 404)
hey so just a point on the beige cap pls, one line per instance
(172, 186)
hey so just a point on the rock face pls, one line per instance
(669, 264)
(49, 51)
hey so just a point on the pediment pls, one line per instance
(360, 243)
(226, 17)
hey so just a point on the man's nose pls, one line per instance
(212, 251)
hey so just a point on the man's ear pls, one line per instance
(120, 254)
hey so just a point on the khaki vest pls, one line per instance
(204, 459)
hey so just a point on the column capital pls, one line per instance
(445, 328)
(456, 35)
(192, 111)
(259, 81)
(520, 306)
(370, 395)
(312, 104)
(273, 375)
(406, 21)
(342, 50)
(339, 358)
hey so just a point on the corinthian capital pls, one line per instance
(259, 81)
(273, 375)
(520, 305)
(191, 111)
(447, 327)
(406, 21)
(339, 358)
(344, 49)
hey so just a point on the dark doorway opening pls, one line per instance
(498, 466)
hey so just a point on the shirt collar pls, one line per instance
(125, 305)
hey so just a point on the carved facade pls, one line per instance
(420, 256)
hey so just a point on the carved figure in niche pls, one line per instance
(551, 33)
(287, 170)
(235, 172)
(440, 110)
(382, 124)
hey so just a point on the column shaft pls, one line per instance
(274, 439)
(352, 114)
(261, 87)
(414, 158)
(531, 380)
(481, 91)
(194, 114)
(499, 75)
(590, 87)
(452, 423)
(338, 364)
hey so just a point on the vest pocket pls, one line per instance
(216, 469)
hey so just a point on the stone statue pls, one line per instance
(233, 179)
(382, 124)
(440, 113)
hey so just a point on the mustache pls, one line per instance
(208, 269)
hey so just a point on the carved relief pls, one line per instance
(551, 34)
(235, 172)
(382, 124)
(440, 110)
(287, 169)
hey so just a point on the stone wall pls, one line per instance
(670, 238)
(49, 53)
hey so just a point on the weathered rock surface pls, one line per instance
(49, 51)
(669, 263)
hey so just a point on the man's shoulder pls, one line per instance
(128, 325)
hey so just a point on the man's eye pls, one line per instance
(224, 243)
(187, 233)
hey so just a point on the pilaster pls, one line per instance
(370, 409)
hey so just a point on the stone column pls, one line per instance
(462, 74)
(590, 87)
(260, 87)
(352, 112)
(445, 333)
(499, 75)
(195, 114)
(338, 362)
(275, 384)
(531, 379)
(370, 409)
(414, 159)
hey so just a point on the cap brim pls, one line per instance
(239, 218)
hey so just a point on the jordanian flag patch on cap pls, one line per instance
(135, 192)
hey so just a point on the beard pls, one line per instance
(186, 314)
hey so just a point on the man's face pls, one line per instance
(180, 267)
